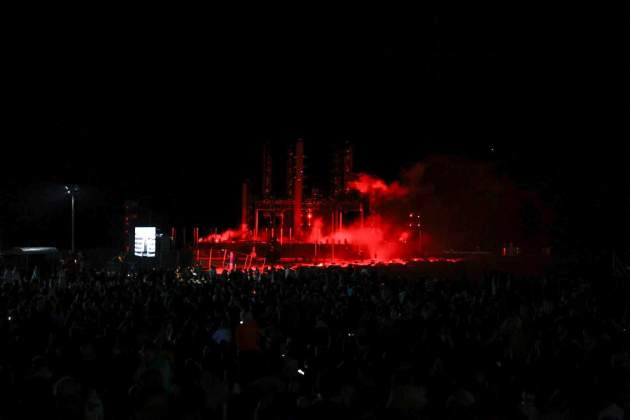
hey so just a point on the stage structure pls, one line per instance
(305, 223)
(290, 218)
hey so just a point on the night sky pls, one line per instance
(174, 111)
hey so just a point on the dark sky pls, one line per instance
(175, 108)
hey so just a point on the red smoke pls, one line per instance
(379, 240)
(228, 235)
(442, 203)
(381, 236)
(368, 184)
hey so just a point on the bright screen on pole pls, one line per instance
(144, 245)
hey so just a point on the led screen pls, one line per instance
(145, 242)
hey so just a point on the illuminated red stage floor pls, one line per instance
(472, 265)
(223, 259)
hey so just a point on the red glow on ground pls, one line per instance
(291, 265)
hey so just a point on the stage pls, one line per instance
(260, 256)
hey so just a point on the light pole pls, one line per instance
(72, 190)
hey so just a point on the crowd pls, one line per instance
(378, 342)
